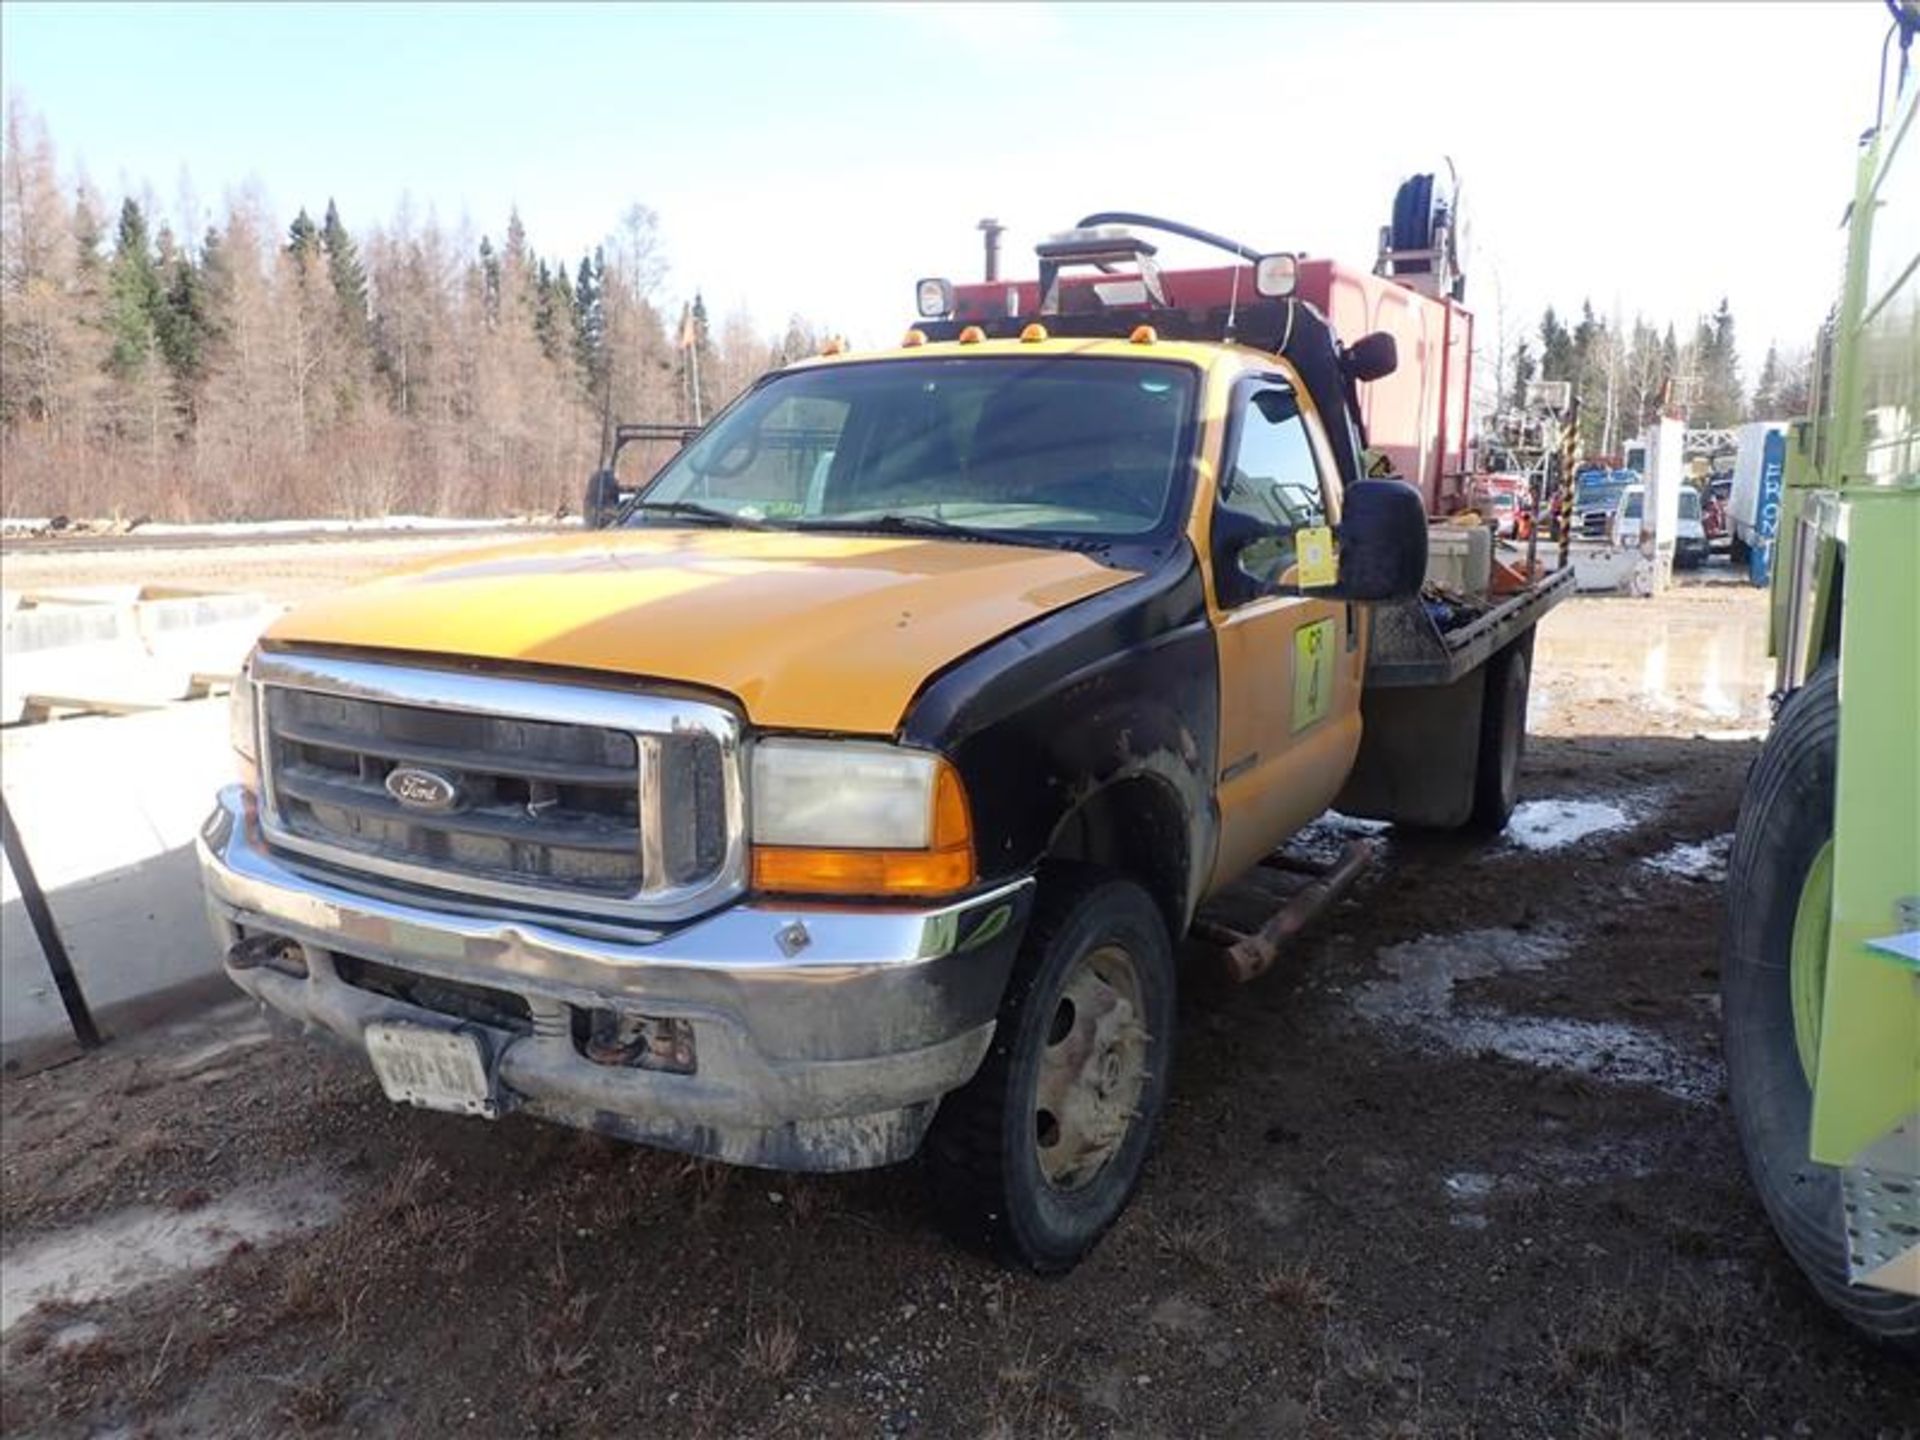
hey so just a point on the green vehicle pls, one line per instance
(1820, 987)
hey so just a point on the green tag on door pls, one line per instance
(1312, 672)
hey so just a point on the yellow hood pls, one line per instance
(812, 632)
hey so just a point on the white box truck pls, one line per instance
(1743, 505)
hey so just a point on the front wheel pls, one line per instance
(1779, 898)
(1039, 1153)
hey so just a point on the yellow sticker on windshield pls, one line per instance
(1313, 549)
(1312, 672)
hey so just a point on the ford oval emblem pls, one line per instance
(418, 788)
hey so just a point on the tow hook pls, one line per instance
(271, 952)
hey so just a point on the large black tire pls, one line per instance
(1413, 218)
(983, 1153)
(1503, 738)
(1738, 551)
(1786, 818)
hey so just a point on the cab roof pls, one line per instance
(1199, 353)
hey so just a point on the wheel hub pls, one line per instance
(1807, 958)
(1092, 1070)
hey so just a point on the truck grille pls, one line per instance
(559, 795)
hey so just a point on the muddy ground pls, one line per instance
(1462, 1165)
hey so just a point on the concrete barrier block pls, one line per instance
(124, 647)
(107, 810)
(30, 1006)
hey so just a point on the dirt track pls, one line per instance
(281, 570)
(1462, 1165)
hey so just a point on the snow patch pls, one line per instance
(118, 1253)
(1704, 860)
(205, 1055)
(1603, 1050)
(1554, 824)
(378, 524)
(1418, 996)
(1424, 970)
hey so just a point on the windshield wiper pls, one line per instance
(893, 523)
(691, 510)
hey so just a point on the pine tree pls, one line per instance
(1793, 396)
(589, 326)
(1717, 368)
(489, 268)
(1523, 372)
(348, 275)
(566, 322)
(1584, 336)
(303, 236)
(701, 361)
(798, 342)
(133, 297)
(1556, 349)
(1766, 390)
(185, 328)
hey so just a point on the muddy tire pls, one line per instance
(1785, 827)
(1503, 738)
(1039, 1153)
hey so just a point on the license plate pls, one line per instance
(435, 1069)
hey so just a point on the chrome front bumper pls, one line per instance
(824, 1037)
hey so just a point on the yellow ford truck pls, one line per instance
(844, 800)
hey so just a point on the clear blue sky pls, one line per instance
(818, 159)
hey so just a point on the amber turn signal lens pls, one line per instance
(945, 867)
(783, 870)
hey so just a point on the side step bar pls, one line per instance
(1249, 956)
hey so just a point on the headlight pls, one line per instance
(852, 818)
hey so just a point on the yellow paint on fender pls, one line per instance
(809, 632)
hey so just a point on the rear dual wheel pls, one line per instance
(1503, 737)
(1039, 1153)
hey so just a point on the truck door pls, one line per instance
(1290, 665)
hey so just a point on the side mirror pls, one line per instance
(1371, 357)
(1382, 542)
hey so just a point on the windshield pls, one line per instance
(1038, 449)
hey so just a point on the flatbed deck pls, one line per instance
(1409, 649)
